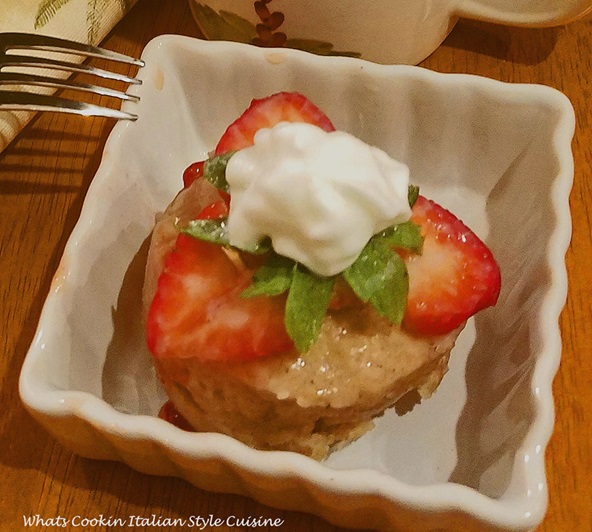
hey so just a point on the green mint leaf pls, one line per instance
(273, 278)
(405, 235)
(215, 170)
(412, 193)
(261, 247)
(306, 306)
(379, 276)
(209, 230)
(214, 231)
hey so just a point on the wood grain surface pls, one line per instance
(44, 176)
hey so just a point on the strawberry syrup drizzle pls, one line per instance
(169, 413)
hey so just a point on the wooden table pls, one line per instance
(44, 176)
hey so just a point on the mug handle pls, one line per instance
(526, 13)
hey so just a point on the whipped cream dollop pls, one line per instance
(319, 196)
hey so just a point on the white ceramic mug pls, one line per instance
(384, 31)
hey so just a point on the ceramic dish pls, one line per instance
(385, 31)
(472, 457)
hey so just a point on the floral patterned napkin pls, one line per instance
(86, 21)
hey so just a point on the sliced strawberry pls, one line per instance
(455, 277)
(169, 413)
(343, 296)
(193, 172)
(213, 211)
(267, 112)
(198, 310)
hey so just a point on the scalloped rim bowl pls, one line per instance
(472, 456)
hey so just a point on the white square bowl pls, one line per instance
(471, 457)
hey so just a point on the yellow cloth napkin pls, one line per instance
(86, 21)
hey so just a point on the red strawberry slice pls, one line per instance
(267, 112)
(169, 413)
(215, 210)
(455, 277)
(198, 310)
(193, 172)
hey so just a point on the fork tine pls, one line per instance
(28, 41)
(16, 101)
(42, 62)
(16, 78)
(11, 43)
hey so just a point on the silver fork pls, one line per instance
(13, 100)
